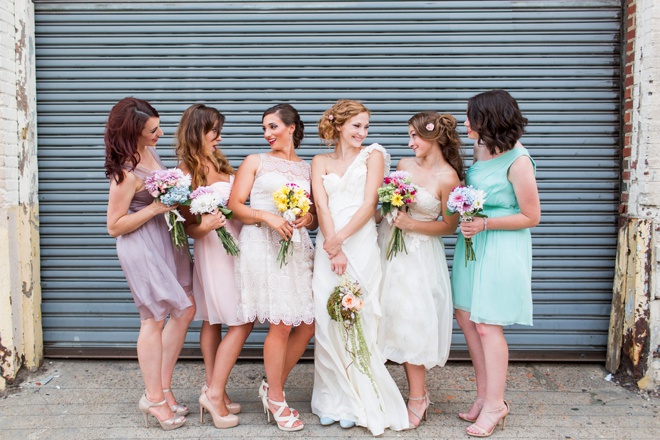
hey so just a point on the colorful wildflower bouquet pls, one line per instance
(397, 193)
(292, 202)
(468, 202)
(344, 306)
(204, 201)
(171, 187)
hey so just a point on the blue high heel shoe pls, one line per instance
(327, 421)
(346, 424)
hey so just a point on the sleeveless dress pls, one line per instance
(266, 291)
(340, 390)
(496, 288)
(416, 293)
(158, 275)
(213, 279)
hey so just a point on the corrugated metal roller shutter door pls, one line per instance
(560, 59)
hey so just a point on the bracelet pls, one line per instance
(485, 223)
(256, 217)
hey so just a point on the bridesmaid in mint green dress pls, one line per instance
(495, 290)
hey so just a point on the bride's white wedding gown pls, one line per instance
(340, 390)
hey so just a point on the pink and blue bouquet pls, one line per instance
(469, 203)
(204, 200)
(397, 193)
(171, 187)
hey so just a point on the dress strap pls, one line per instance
(386, 156)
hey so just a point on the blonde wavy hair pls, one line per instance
(196, 122)
(336, 116)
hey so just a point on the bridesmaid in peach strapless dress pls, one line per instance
(214, 288)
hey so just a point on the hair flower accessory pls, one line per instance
(430, 126)
(331, 117)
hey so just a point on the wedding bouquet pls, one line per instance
(469, 203)
(344, 305)
(292, 202)
(172, 187)
(204, 201)
(397, 193)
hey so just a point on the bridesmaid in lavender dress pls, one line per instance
(158, 275)
(214, 288)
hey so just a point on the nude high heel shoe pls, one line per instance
(220, 422)
(178, 409)
(232, 407)
(424, 415)
(167, 425)
(481, 432)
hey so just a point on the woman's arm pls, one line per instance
(521, 176)
(240, 192)
(375, 174)
(118, 220)
(325, 222)
(199, 226)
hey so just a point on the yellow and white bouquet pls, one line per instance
(292, 202)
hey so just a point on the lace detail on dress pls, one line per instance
(426, 208)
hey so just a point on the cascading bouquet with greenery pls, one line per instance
(204, 200)
(171, 187)
(468, 202)
(344, 305)
(292, 202)
(397, 193)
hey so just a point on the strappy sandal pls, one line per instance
(424, 414)
(168, 424)
(481, 432)
(278, 417)
(177, 409)
(463, 416)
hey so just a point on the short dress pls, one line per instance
(214, 284)
(415, 293)
(265, 291)
(496, 288)
(158, 275)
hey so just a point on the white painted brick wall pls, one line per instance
(8, 110)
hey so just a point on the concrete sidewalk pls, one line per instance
(72, 399)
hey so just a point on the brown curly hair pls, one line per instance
(444, 132)
(336, 116)
(125, 124)
(196, 122)
(495, 116)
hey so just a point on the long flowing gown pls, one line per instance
(266, 290)
(158, 275)
(496, 288)
(214, 284)
(416, 293)
(340, 390)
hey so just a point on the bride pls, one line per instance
(344, 186)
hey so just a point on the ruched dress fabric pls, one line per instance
(496, 288)
(214, 281)
(340, 391)
(416, 292)
(266, 291)
(158, 275)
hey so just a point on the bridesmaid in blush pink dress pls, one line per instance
(214, 288)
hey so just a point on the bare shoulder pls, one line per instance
(405, 164)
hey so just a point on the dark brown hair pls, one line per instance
(125, 124)
(441, 128)
(195, 123)
(495, 116)
(289, 116)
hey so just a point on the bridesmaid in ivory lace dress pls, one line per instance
(345, 184)
(159, 276)
(418, 330)
(281, 295)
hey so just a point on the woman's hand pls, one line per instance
(279, 225)
(158, 207)
(332, 246)
(403, 221)
(470, 229)
(304, 221)
(338, 263)
(211, 222)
